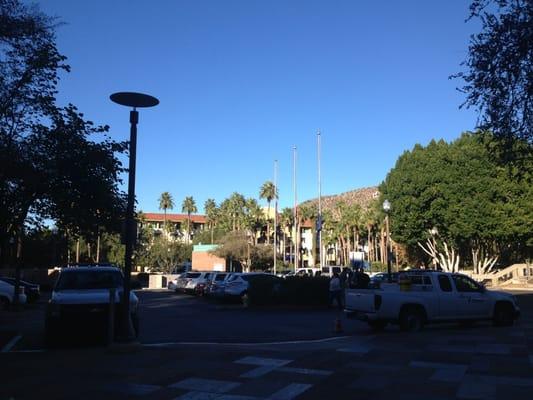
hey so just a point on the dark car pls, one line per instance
(32, 290)
(383, 277)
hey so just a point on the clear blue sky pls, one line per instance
(242, 82)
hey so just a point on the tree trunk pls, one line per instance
(78, 250)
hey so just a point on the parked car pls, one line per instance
(383, 277)
(427, 296)
(80, 300)
(215, 287)
(173, 284)
(304, 272)
(192, 279)
(7, 293)
(31, 290)
(238, 284)
(201, 286)
(329, 270)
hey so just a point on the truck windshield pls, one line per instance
(75, 280)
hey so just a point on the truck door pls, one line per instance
(450, 303)
(476, 301)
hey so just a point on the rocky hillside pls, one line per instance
(362, 196)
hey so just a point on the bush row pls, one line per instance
(294, 290)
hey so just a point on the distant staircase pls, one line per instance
(516, 274)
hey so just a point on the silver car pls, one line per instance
(215, 287)
(193, 279)
(238, 284)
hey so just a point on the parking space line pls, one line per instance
(325, 340)
(11, 344)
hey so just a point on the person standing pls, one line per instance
(335, 290)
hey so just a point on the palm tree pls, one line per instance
(210, 208)
(188, 206)
(166, 202)
(269, 192)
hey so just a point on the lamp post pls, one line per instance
(434, 232)
(135, 100)
(386, 208)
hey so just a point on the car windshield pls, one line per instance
(73, 280)
(193, 274)
(220, 277)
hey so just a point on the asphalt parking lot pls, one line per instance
(194, 349)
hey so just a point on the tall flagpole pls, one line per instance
(319, 219)
(295, 210)
(275, 214)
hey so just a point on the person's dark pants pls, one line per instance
(336, 295)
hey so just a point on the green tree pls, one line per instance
(211, 212)
(462, 191)
(166, 202)
(499, 68)
(189, 206)
(55, 165)
(268, 192)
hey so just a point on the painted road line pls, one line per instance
(310, 341)
(290, 392)
(265, 365)
(11, 344)
(205, 385)
(306, 371)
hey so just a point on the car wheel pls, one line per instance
(503, 315)
(377, 326)
(4, 303)
(411, 320)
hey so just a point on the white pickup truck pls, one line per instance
(429, 297)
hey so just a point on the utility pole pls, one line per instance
(295, 209)
(319, 219)
(275, 214)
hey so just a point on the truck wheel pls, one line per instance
(377, 326)
(411, 320)
(503, 315)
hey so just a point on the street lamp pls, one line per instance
(135, 100)
(434, 232)
(386, 208)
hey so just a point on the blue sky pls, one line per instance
(242, 82)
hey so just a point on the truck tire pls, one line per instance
(503, 314)
(377, 326)
(412, 319)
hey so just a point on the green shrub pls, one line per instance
(377, 266)
(307, 290)
(293, 290)
(265, 290)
